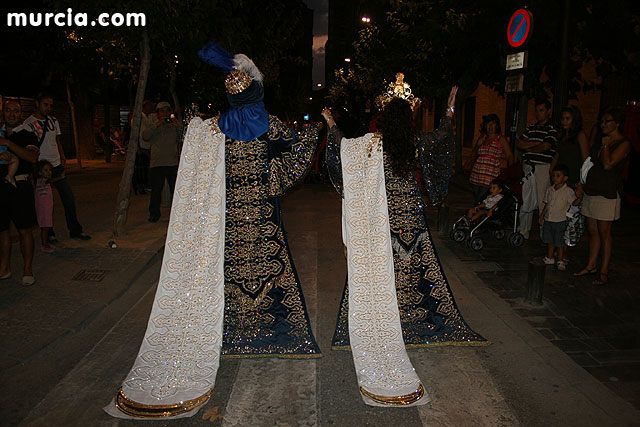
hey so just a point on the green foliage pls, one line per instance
(109, 57)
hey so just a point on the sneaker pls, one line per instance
(561, 266)
(549, 261)
(80, 236)
(48, 249)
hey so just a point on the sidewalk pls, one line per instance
(48, 327)
(521, 379)
(597, 326)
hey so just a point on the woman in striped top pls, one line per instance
(487, 155)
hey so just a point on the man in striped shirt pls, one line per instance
(538, 144)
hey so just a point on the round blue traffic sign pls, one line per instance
(519, 27)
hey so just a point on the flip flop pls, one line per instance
(602, 280)
(585, 272)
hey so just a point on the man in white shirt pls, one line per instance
(47, 130)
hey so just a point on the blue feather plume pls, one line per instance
(214, 54)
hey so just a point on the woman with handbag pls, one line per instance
(601, 205)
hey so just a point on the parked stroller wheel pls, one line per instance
(498, 234)
(476, 243)
(516, 240)
(458, 235)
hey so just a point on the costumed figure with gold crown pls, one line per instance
(228, 286)
(396, 295)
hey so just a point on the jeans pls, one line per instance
(157, 175)
(68, 201)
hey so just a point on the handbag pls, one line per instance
(584, 169)
(575, 226)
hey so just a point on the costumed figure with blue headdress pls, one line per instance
(228, 285)
(396, 295)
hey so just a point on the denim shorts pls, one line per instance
(553, 232)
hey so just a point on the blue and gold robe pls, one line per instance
(265, 312)
(428, 311)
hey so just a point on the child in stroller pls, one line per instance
(496, 212)
(489, 204)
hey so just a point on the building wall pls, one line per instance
(490, 101)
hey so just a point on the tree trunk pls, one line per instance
(74, 123)
(122, 206)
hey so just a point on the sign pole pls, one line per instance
(518, 33)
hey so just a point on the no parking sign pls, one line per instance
(519, 28)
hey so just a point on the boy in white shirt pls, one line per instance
(553, 218)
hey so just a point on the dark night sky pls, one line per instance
(320, 30)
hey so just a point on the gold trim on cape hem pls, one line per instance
(435, 344)
(278, 356)
(141, 410)
(406, 399)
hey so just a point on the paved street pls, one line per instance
(67, 343)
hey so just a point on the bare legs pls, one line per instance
(26, 248)
(600, 240)
(594, 242)
(5, 252)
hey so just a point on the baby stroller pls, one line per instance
(504, 216)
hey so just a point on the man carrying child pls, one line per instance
(553, 218)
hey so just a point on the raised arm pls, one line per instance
(332, 153)
(435, 153)
(290, 155)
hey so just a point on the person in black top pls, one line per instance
(17, 204)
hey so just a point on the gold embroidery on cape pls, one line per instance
(292, 164)
(247, 319)
(250, 249)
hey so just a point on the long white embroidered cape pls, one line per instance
(385, 374)
(176, 367)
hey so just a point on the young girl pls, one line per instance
(44, 203)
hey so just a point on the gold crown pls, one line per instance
(237, 81)
(398, 89)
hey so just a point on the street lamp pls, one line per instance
(366, 19)
(347, 59)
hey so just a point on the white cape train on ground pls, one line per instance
(385, 374)
(175, 370)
